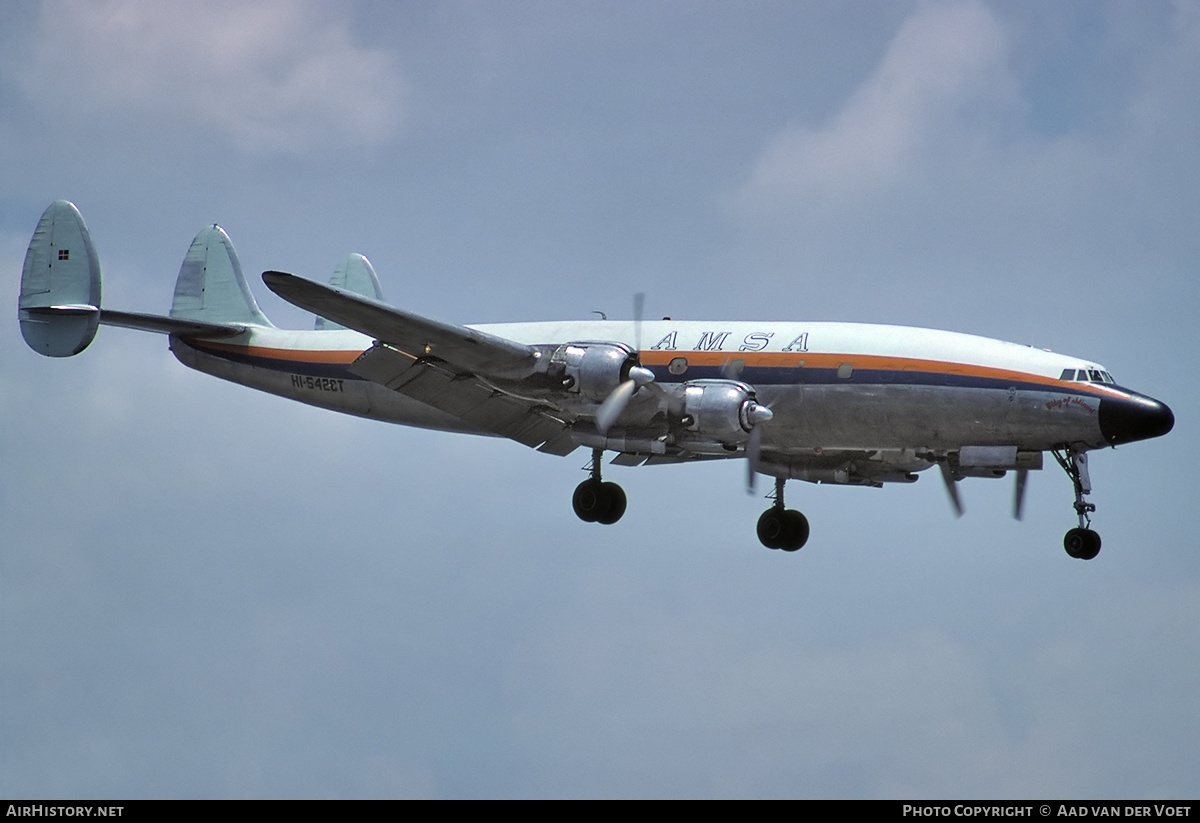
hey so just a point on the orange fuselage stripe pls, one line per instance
(814, 360)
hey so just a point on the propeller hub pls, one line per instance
(757, 415)
(641, 375)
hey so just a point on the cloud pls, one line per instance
(266, 76)
(960, 171)
(944, 61)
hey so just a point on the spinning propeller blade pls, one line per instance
(1019, 493)
(612, 407)
(758, 416)
(753, 448)
(614, 404)
(951, 488)
(639, 304)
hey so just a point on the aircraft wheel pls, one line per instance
(1082, 544)
(796, 531)
(615, 503)
(771, 528)
(590, 501)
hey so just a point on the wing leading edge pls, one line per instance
(419, 337)
(450, 368)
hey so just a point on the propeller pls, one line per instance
(614, 405)
(732, 369)
(1019, 493)
(951, 487)
(757, 415)
(639, 304)
(1022, 476)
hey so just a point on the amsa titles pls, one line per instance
(721, 341)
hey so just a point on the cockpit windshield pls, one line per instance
(1087, 376)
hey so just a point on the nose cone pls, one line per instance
(1137, 417)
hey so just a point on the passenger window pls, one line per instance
(678, 365)
(845, 370)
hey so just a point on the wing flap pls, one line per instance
(464, 396)
(629, 459)
(420, 337)
(560, 444)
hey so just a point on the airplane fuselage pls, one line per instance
(831, 385)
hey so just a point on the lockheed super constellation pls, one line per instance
(842, 403)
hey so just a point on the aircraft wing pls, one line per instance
(420, 337)
(450, 368)
(468, 397)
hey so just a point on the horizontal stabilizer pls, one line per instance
(356, 275)
(169, 325)
(59, 306)
(417, 336)
(132, 320)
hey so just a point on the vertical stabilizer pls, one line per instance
(59, 306)
(354, 274)
(211, 287)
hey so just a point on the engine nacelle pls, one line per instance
(720, 411)
(997, 458)
(593, 370)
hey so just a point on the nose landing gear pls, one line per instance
(1081, 543)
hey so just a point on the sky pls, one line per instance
(211, 592)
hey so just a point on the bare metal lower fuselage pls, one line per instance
(894, 410)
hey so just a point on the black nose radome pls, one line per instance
(1137, 417)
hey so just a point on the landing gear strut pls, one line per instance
(1081, 543)
(782, 528)
(596, 501)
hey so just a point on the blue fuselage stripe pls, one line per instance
(761, 376)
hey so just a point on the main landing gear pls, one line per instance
(1081, 543)
(782, 528)
(597, 501)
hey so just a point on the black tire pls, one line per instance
(615, 503)
(590, 501)
(1082, 544)
(796, 531)
(772, 528)
(1092, 548)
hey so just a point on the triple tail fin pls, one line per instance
(355, 274)
(59, 307)
(211, 287)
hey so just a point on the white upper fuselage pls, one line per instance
(831, 385)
